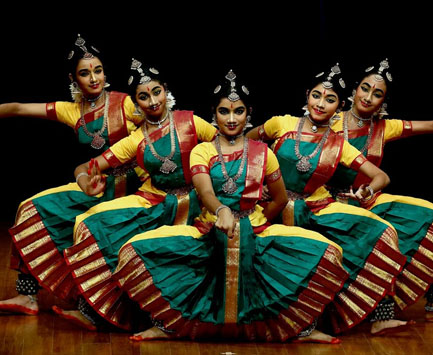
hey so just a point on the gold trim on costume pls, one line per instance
(370, 285)
(352, 305)
(35, 245)
(88, 284)
(387, 259)
(34, 228)
(27, 211)
(412, 295)
(420, 266)
(232, 277)
(83, 254)
(94, 265)
(382, 274)
(43, 258)
(415, 279)
(182, 210)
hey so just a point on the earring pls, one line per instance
(214, 123)
(138, 111)
(106, 85)
(335, 117)
(248, 125)
(382, 111)
(306, 112)
(352, 98)
(75, 90)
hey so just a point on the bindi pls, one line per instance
(324, 92)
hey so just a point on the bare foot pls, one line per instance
(381, 327)
(318, 337)
(75, 317)
(20, 304)
(153, 333)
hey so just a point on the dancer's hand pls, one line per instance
(94, 183)
(265, 194)
(226, 222)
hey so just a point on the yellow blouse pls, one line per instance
(70, 112)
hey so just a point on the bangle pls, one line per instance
(369, 188)
(80, 175)
(220, 207)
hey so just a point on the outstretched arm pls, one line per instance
(16, 109)
(422, 127)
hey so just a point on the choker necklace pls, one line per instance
(230, 187)
(346, 132)
(168, 165)
(360, 119)
(231, 139)
(314, 125)
(98, 141)
(93, 101)
(160, 122)
(304, 165)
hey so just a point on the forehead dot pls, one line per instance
(324, 92)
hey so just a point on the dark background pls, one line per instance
(274, 49)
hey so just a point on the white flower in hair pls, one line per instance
(170, 100)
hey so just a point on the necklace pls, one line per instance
(168, 166)
(159, 123)
(231, 139)
(346, 132)
(360, 119)
(314, 125)
(304, 165)
(98, 141)
(230, 187)
(93, 101)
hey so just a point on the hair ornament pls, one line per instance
(233, 95)
(80, 43)
(335, 70)
(144, 78)
(383, 66)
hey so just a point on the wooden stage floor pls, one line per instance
(48, 334)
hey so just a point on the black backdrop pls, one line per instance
(274, 49)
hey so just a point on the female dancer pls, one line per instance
(365, 129)
(245, 278)
(162, 148)
(309, 152)
(44, 222)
